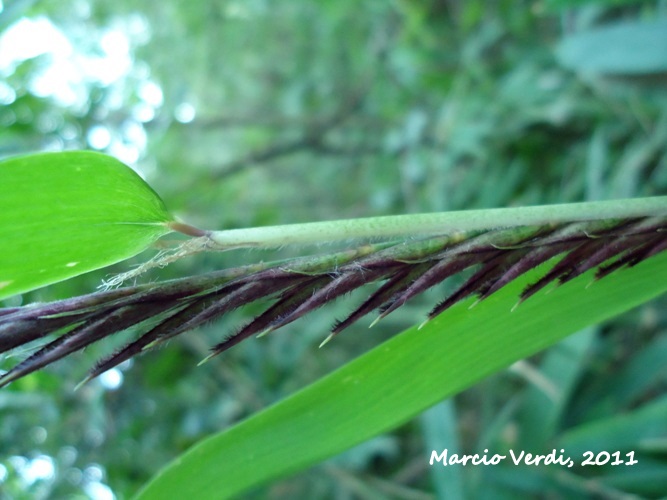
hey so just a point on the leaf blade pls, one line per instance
(629, 48)
(64, 214)
(371, 394)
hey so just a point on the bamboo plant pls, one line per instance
(595, 259)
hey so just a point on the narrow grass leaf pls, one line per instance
(628, 48)
(399, 379)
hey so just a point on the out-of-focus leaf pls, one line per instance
(641, 374)
(63, 214)
(546, 399)
(624, 49)
(570, 4)
(638, 435)
(626, 432)
(440, 429)
(646, 478)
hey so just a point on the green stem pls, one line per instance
(431, 224)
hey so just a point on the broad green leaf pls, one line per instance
(635, 48)
(399, 379)
(63, 214)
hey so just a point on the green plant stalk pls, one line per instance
(415, 225)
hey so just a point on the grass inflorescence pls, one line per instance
(293, 288)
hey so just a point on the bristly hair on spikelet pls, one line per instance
(402, 269)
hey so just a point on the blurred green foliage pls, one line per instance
(255, 112)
